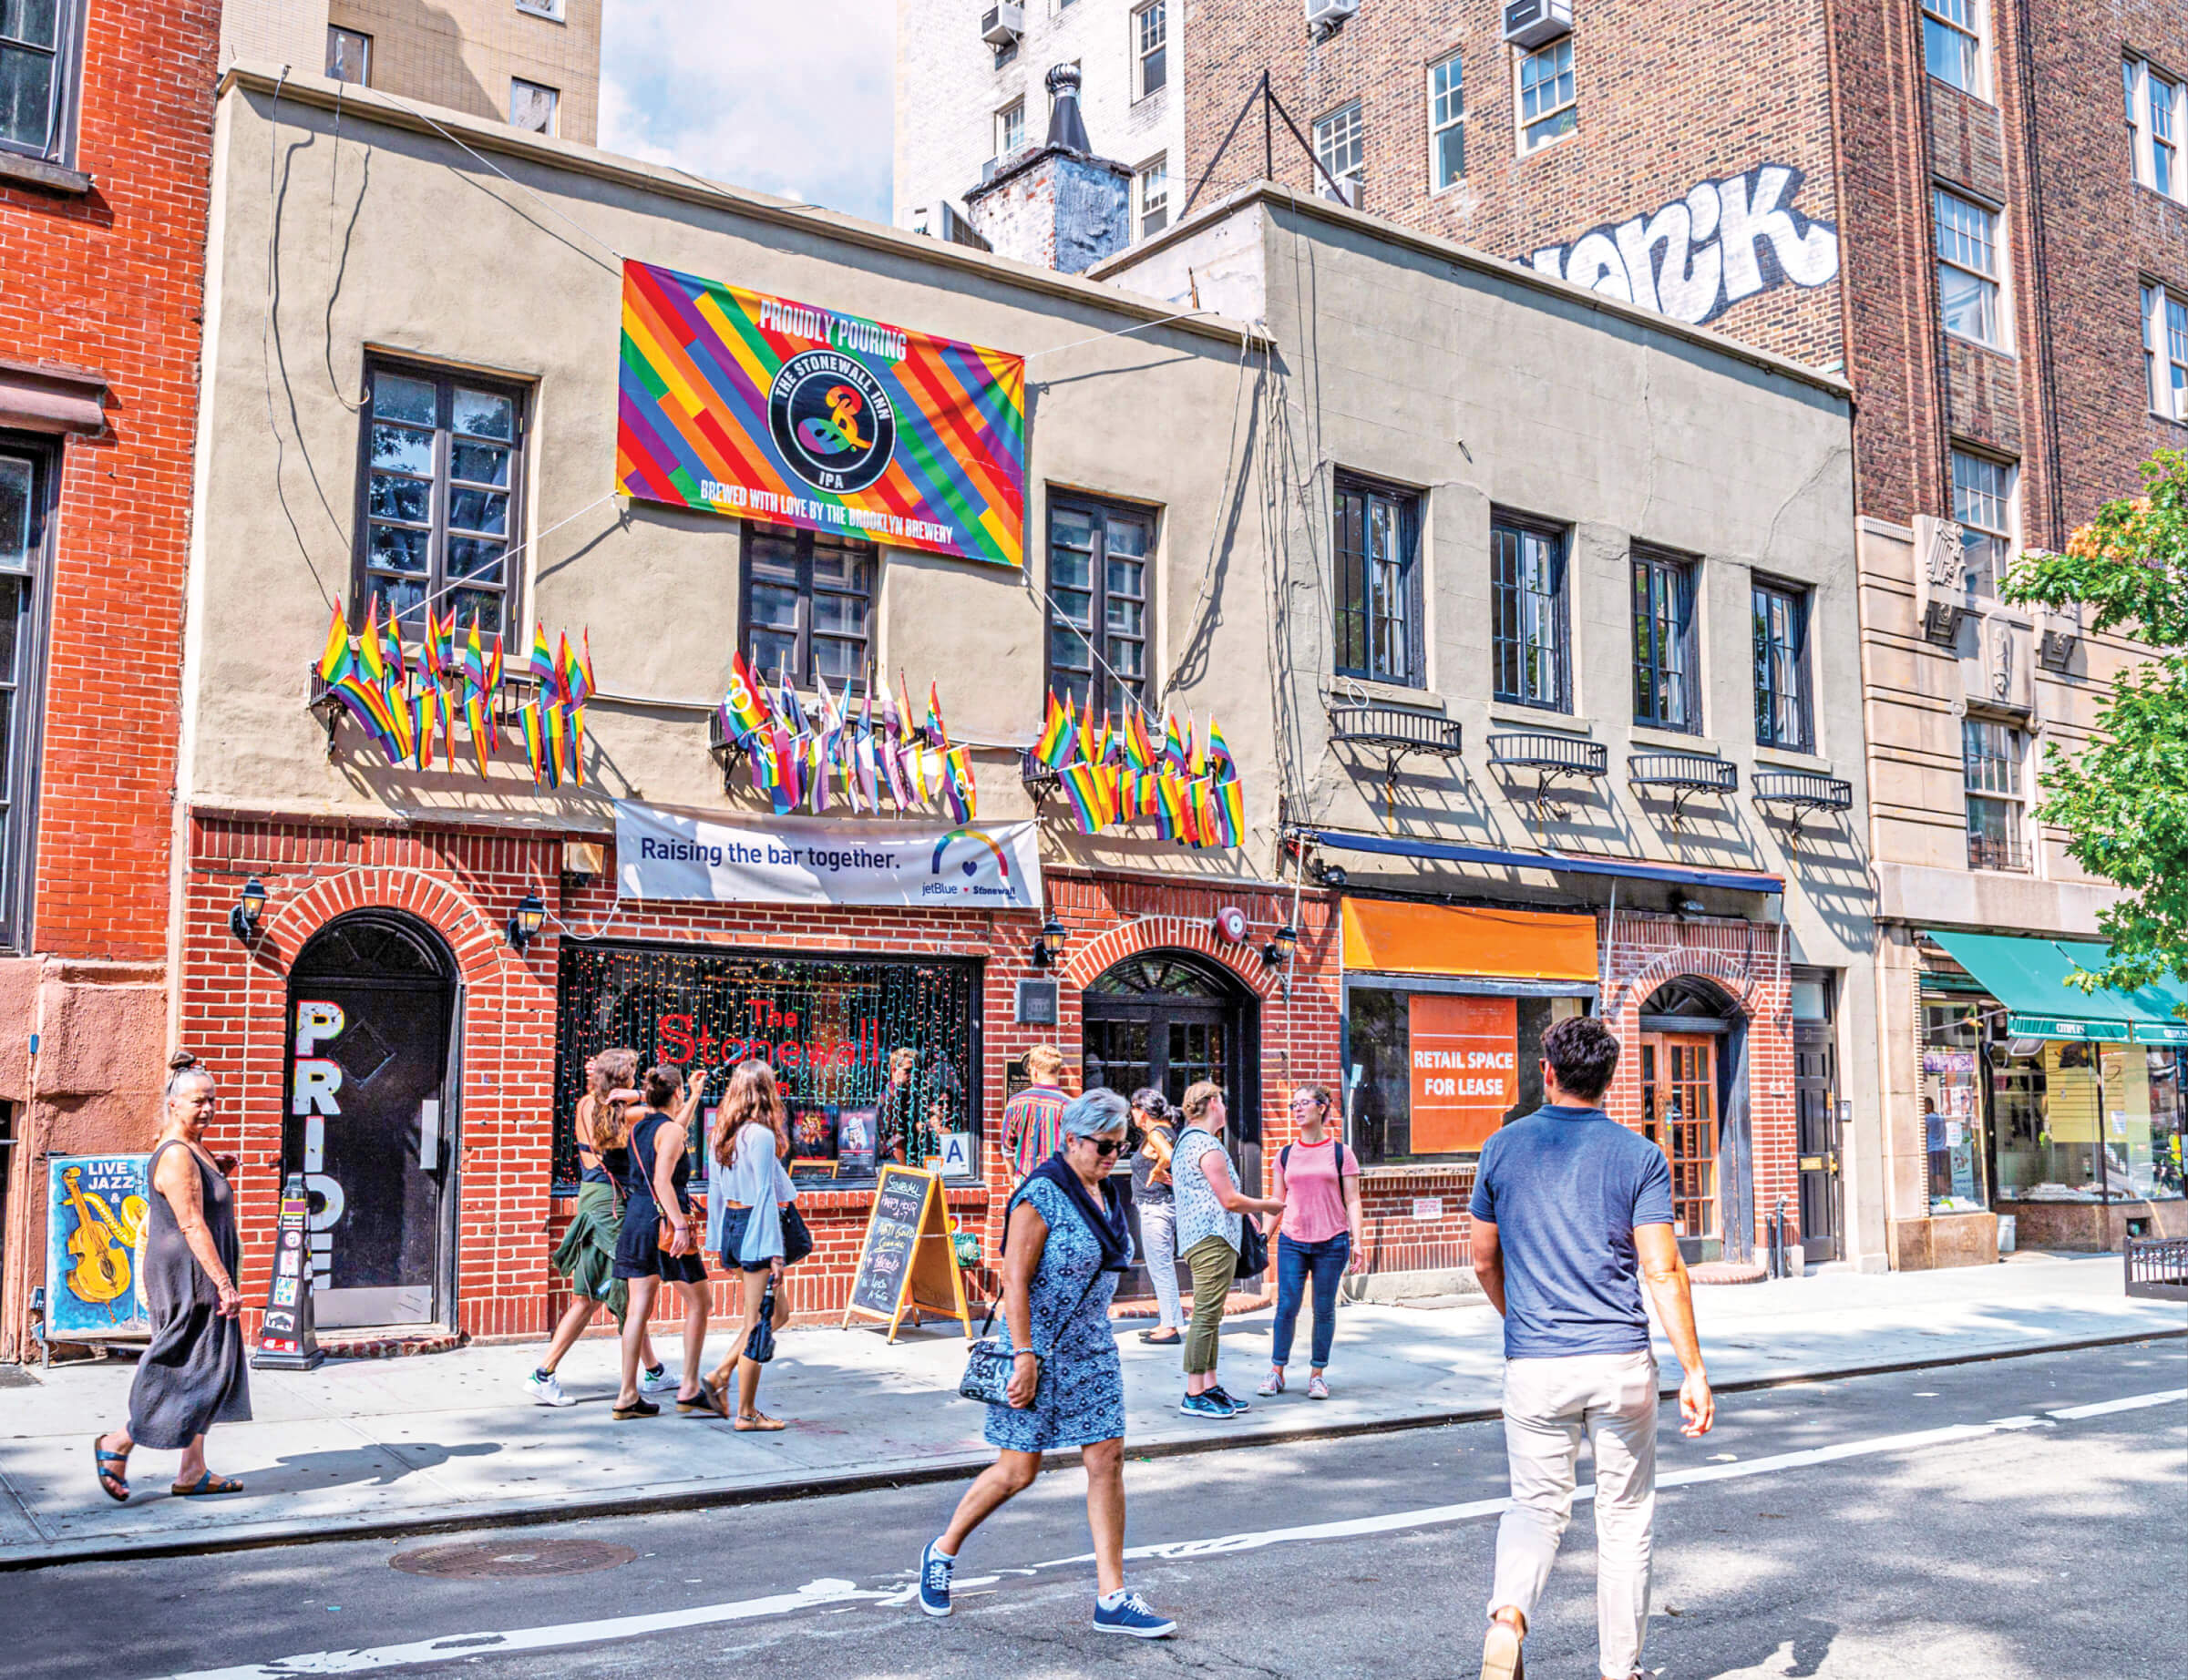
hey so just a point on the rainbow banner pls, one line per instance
(739, 404)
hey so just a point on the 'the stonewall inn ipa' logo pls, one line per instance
(832, 421)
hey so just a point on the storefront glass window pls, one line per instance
(1433, 1074)
(2168, 1123)
(877, 1058)
(1952, 1105)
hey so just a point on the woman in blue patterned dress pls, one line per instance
(1065, 1241)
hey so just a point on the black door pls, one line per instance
(1815, 1117)
(370, 1006)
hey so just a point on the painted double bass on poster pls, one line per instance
(94, 1212)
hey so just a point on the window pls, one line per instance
(1340, 147)
(1446, 125)
(533, 106)
(1527, 614)
(2165, 351)
(1969, 271)
(1952, 44)
(1549, 101)
(1992, 754)
(1098, 558)
(1150, 47)
(26, 481)
(1983, 504)
(1154, 196)
(1010, 128)
(1664, 687)
(37, 76)
(444, 457)
(808, 605)
(1783, 715)
(1379, 584)
(1402, 1107)
(349, 56)
(2157, 117)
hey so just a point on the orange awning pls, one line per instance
(1383, 937)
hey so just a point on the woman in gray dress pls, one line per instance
(1064, 1241)
(193, 1375)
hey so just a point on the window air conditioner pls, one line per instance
(1328, 16)
(1531, 23)
(1001, 24)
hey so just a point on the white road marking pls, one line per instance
(830, 1593)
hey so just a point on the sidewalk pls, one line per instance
(361, 1446)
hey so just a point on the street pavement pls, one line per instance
(389, 1446)
(2013, 1520)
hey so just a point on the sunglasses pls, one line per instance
(1106, 1147)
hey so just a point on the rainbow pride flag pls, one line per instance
(1230, 810)
(1093, 803)
(1053, 748)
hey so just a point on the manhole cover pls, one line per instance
(512, 1559)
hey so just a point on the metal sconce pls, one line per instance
(1281, 944)
(525, 923)
(243, 919)
(1048, 946)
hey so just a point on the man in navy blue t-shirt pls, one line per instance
(1571, 1212)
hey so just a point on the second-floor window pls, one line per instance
(1952, 44)
(1970, 270)
(1665, 692)
(1010, 128)
(2165, 351)
(809, 606)
(1992, 754)
(1340, 148)
(1151, 48)
(37, 76)
(533, 105)
(1785, 715)
(2157, 117)
(1549, 98)
(1098, 567)
(1446, 124)
(1528, 625)
(1155, 195)
(349, 56)
(1983, 505)
(27, 479)
(1379, 584)
(443, 488)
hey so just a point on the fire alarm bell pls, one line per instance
(1231, 924)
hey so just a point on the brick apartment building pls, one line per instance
(105, 153)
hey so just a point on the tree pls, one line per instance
(2123, 799)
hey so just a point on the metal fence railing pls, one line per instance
(2157, 1268)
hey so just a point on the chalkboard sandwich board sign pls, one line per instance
(906, 1262)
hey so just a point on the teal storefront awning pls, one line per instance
(2029, 977)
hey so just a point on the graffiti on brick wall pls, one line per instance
(1694, 257)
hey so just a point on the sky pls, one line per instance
(790, 96)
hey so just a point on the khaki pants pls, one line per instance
(1548, 1405)
(1213, 1261)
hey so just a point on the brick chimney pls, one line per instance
(1057, 205)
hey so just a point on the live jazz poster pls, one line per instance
(735, 403)
(95, 1211)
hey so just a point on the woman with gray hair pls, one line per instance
(1065, 1240)
(193, 1375)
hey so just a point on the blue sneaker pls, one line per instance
(1223, 1394)
(934, 1581)
(1203, 1406)
(1131, 1615)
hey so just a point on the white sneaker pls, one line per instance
(1273, 1383)
(659, 1380)
(546, 1391)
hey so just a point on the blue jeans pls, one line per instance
(1294, 1261)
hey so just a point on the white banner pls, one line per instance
(662, 853)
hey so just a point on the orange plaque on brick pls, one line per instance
(1465, 1071)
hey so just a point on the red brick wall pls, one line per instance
(113, 281)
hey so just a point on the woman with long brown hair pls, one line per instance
(746, 1192)
(586, 1255)
(658, 1243)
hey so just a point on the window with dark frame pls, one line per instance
(1378, 542)
(1784, 716)
(1992, 753)
(809, 606)
(1098, 559)
(26, 481)
(1666, 693)
(349, 56)
(38, 74)
(1528, 612)
(440, 494)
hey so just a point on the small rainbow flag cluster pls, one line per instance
(813, 758)
(1189, 784)
(410, 699)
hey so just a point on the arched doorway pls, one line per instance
(372, 1020)
(1694, 1107)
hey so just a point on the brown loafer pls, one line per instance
(1501, 1658)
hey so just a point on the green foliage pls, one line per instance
(2123, 799)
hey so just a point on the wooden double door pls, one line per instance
(1679, 1115)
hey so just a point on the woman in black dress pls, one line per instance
(193, 1375)
(653, 1187)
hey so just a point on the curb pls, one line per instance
(951, 1469)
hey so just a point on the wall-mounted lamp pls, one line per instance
(526, 921)
(1048, 946)
(243, 919)
(1280, 946)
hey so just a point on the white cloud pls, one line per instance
(791, 97)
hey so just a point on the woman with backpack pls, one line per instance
(1317, 1181)
(750, 1224)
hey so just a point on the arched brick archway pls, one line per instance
(454, 916)
(1176, 933)
(1734, 977)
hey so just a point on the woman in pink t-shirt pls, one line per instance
(1317, 1181)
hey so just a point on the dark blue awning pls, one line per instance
(1563, 863)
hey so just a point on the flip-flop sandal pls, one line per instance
(110, 1479)
(760, 1422)
(206, 1487)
